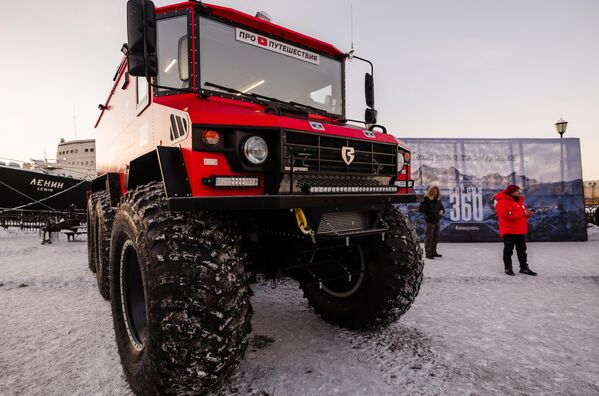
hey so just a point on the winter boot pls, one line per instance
(509, 271)
(437, 255)
(527, 271)
(430, 256)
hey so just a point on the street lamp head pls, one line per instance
(561, 126)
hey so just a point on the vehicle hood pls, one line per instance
(216, 111)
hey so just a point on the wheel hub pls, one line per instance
(337, 270)
(132, 296)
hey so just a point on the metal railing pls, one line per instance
(38, 219)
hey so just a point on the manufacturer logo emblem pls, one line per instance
(316, 125)
(348, 154)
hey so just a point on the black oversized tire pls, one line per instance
(104, 218)
(390, 283)
(92, 253)
(194, 327)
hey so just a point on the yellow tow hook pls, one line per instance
(302, 224)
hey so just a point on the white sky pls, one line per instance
(477, 68)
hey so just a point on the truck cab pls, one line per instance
(255, 111)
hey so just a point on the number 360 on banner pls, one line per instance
(466, 204)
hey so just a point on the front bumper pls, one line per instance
(272, 202)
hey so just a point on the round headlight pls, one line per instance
(403, 159)
(255, 150)
(400, 161)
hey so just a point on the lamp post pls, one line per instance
(561, 126)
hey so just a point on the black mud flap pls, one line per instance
(111, 183)
(163, 164)
(174, 173)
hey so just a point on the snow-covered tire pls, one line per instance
(104, 217)
(180, 299)
(390, 283)
(92, 254)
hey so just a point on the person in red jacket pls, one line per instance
(513, 226)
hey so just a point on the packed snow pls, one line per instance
(472, 330)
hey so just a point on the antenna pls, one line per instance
(351, 24)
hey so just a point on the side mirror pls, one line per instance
(141, 38)
(183, 59)
(370, 116)
(369, 90)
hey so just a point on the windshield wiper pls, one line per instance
(262, 99)
(292, 103)
(260, 96)
(286, 105)
(226, 89)
(316, 109)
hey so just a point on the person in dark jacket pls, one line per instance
(433, 210)
(513, 227)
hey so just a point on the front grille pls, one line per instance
(306, 152)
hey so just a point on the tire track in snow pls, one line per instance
(404, 357)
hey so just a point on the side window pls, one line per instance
(173, 53)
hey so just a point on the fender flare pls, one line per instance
(164, 164)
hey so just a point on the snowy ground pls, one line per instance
(472, 329)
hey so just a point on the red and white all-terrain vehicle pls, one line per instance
(224, 156)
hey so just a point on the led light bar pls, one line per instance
(352, 190)
(232, 181)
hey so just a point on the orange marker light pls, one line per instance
(210, 137)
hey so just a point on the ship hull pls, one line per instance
(30, 190)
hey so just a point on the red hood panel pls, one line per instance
(217, 111)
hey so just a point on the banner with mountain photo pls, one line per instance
(470, 172)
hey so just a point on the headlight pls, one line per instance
(400, 161)
(403, 159)
(255, 150)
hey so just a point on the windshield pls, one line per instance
(252, 63)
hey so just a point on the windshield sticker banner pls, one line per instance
(276, 46)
